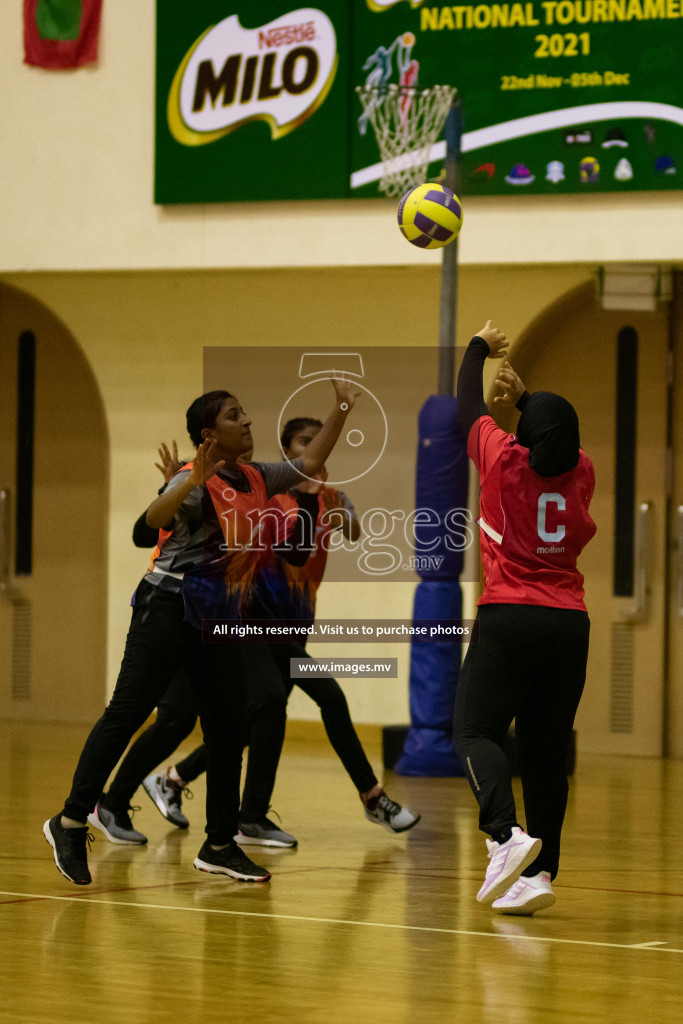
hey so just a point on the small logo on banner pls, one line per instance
(280, 73)
(383, 5)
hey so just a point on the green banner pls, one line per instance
(558, 95)
(252, 101)
(257, 100)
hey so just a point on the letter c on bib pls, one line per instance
(544, 500)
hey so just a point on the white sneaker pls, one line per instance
(527, 895)
(508, 860)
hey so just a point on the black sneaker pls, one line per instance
(71, 849)
(231, 860)
(116, 824)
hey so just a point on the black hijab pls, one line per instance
(549, 428)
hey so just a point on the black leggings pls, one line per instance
(529, 665)
(263, 731)
(266, 701)
(158, 641)
(175, 719)
(334, 711)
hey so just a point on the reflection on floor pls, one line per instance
(357, 925)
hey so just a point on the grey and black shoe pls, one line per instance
(230, 860)
(116, 824)
(389, 814)
(167, 797)
(263, 833)
(70, 847)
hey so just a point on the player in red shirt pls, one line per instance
(529, 663)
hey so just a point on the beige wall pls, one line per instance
(144, 334)
(673, 708)
(53, 633)
(78, 184)
(142, 289)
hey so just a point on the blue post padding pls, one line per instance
(434, 665)
(434, 670)
(429, 753)
(440, 489)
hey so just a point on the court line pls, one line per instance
(642, 946)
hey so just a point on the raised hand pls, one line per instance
(318, 449)
(509, 384)
(346, 390)
(495, 339)
(204, 463)
(170, 463)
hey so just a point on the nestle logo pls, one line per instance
(285, 35)
(280, 72)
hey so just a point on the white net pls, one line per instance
(407, 123)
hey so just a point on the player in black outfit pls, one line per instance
(266, 716)
(166, 627)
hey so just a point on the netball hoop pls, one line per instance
(407, 122)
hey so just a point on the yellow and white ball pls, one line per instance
(430, 216)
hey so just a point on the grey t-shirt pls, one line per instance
(196, 534)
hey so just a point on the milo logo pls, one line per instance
(279, 73)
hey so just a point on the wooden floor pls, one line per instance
(357, 925)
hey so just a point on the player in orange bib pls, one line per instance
(529, 663)
(203, 570)
(283, 590)
(291, 589)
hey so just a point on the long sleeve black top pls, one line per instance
(471, 404)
